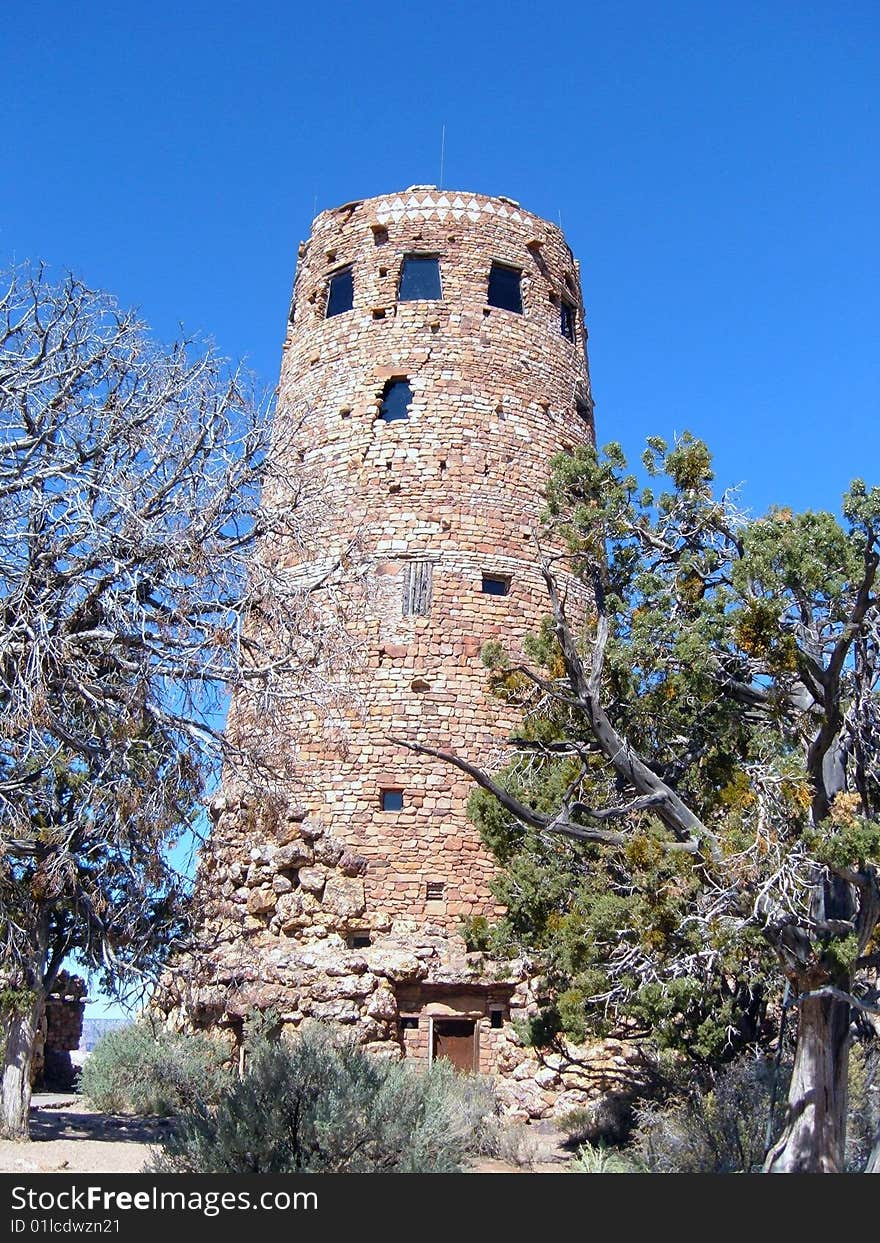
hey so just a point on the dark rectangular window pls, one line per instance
(359, 940)
(396, 398)
(340, 295)
(419, 278)
(434, 891)
(392, 800)
(496, 584)
(496, 1018)
(567, 321)
(504, 288)
(417, 577)
(409, 1023)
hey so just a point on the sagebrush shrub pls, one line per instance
(322, 1105)
(603, 1122)
(863, 1118)
(722, 1131)
(137, 1070)
(599, 1159)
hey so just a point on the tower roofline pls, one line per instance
(390, 207)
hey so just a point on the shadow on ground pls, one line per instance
(72, 1123)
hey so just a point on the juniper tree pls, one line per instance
(691, 815)
(132, 601)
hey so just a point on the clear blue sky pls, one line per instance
(714, 165)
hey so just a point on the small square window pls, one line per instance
(359, 941)
(567, 321)
(434, 891)
(340, 295)
(396, 399)
(419, 278)
(496, 585)
(392, 800)
(409, 1023)
(504, 288)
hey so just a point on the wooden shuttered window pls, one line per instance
(417, 577)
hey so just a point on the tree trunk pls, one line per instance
(15, 1094)
(815, 1125)
(873, 1166)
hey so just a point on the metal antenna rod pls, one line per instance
(442, 151)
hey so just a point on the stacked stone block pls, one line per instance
(323, 902)
(59, 1034)
(457, 485)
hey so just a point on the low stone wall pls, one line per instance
(59, 1033)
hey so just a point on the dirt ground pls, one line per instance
(69, 1137)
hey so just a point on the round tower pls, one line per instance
(435, 361)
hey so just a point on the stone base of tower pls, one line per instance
(284, 925)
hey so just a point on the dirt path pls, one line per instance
(67, 1136)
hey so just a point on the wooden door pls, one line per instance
(456, 1040)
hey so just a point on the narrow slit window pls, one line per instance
(417, 580)
(396, 400)
(567, 321)
(496, 1018)
(496, 585)
(392, 800)
(505, 289)
(434, 891)
(340, 295)
(420, 279)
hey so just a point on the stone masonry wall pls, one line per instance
(283, 902)
(318, 902)
(59, 1033)
(456, 486)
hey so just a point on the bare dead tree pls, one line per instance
(143, 580)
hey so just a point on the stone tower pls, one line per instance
(435, 360)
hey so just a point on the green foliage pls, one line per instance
(494, 656)
(863, 1119)
(731, 667)
(568, 907)
(261, 1028)
(323, 1105)
(853, 843)
(683, 1018)
(15, 1000)
(137, 1070)
(599, 1159)
(477, 933)
(608, 1120)
(722, 1131)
